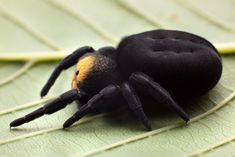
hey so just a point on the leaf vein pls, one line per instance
(143, 14)
(32, 134)
(18, 73)
(81, 17)
(35, 33)
(209, 17)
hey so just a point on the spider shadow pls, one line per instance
(158, 114)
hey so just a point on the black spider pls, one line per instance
(167, 65)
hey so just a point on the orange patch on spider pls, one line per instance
(74, 82)
(84, 66)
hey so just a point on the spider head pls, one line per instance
(83, 69)
(94, 71)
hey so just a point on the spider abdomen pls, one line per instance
(185, 64)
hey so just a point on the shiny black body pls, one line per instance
(170, 66)
(186, 65)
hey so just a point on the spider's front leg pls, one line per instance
(157, 92)
(105, 96)
(67, 62)
(56, 105)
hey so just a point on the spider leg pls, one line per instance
(105, 96)
(157, 92)
(135, 104)
(51, 107)
(67, 62)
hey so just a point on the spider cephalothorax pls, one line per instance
(96, 70)
(167, 65)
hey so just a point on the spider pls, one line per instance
(167, 65)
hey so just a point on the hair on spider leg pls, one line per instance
(172, 68)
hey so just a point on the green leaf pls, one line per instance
(34, 35)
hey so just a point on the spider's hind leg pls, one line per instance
(134, 104)
(157, 92)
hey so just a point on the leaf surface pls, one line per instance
(50, 26)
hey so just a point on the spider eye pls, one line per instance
(77, 72)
